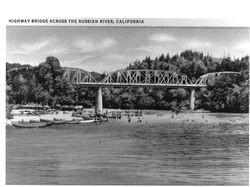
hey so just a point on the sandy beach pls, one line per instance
(152, 116)
(197, 117)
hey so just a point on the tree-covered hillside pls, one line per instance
(44, 85)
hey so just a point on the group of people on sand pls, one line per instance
(115, 115)
(137, 114)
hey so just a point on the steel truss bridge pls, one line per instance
(138, 78)
(135, 78)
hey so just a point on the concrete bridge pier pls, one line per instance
(192, 99)
(98, 105)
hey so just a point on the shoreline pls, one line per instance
(152, 116)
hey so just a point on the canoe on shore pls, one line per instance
(48, 122)
(45, 120)
(87, 121)
(34, 121)
(84, 121)
(58, 121)
(29, 125)
(25, 122)
(87, 118)
(93, 121)
(73, 122)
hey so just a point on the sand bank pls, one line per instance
(152, 116)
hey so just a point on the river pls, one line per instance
(120, 153)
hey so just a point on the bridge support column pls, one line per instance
(98, 105)
(192, 99)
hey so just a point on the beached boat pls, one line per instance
(34, 121)
(49, 122)
(87, 117)
(87, 121)
(45, 120)
(93, 120)
(29, 125)
(73, 122)
(58, 121)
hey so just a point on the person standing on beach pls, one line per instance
(129, 118)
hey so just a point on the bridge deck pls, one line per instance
(100, 84)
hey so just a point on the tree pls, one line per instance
(225, 95)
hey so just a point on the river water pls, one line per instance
(121, 153)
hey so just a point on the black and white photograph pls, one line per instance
(126, 102)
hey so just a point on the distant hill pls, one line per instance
(97, 76)
(15, 65)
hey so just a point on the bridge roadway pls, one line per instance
(135, 78)
(118, 85)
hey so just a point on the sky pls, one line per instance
(106, 49)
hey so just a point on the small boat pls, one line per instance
(73, 122)
(29, 125)
(87, 121)
(49, 122)
(45, 120)
(22, 121)
(87, 117)
(34, 121)
(58, 121)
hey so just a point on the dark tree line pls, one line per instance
(43, 85)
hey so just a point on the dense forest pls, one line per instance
(230, 93)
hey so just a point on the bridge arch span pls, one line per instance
(71, 75)
(209, 78)
(146, 77)
(77, 76)
(19, 69)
